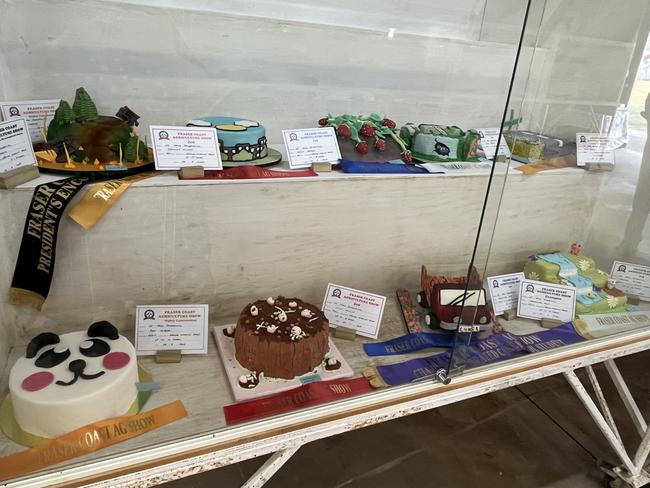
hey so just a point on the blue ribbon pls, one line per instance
(498, 347)
(409, 343)
(364, 167)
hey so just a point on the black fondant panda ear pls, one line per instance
(41, 340)
(103, 329)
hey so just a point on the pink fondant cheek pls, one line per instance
(116, 360)
(37, 381)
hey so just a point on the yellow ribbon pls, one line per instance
(96, 202)
(88, 439)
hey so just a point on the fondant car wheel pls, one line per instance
(483, 320)
(431, 320)
(422, 300)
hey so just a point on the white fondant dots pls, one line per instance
(270, 301)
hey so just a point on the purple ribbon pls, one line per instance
(498, 347)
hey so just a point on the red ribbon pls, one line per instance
(301, 397)
(248, 172)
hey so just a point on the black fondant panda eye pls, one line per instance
(93, 348)
(52, 357)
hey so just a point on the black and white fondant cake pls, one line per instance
(68, 381)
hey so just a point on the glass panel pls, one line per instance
(440, 71)
(568, 208)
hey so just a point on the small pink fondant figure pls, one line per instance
(575, 249)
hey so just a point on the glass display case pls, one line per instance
(266, 292)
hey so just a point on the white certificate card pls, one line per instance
(632, 279)
(504, 291)
(354, 309)
(16, 148)
(179, 147)
(308, 146)
(37, 114)
(171, 327)
(593, 148)
(489, 138)
(540, 300)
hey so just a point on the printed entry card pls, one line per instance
(632, 279)
(489, 138)
(354, 309)
(37, 114)
(504, 291)
(179, 147)
(171, 327)
(308, 146)
(540, 300)
(593, 148)
(16, 148)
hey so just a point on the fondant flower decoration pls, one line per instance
(612, 302)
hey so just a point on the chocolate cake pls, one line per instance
(281, 337)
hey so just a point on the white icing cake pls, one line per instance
(68, 381)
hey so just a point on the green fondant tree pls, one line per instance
(84, 108)
(64, 114)
(132, 148)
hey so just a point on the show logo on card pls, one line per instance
(37, 114)
(541, 300)
(632, 279)
(171, 328)
(354, 309)
(179, 147)
(504, 291)
(16, 150)
(308, 146)
(593, 149)
(489, 139)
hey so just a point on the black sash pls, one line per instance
(35, 264)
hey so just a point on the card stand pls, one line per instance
(633, 300)
(322, 167)
(510, 314)
(11, 179)
(168, 356)
(550, 323)
(599, 166)
(345, 333)
(192, 172)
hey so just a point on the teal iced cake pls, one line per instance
(241, 141)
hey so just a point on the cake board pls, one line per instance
(271, 386)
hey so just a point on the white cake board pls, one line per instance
(270, 386)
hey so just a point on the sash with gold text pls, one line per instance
(35, 264)
(304, 396)
(88, 439)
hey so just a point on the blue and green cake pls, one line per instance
(241, 141)
(594, 291)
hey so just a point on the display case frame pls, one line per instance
(169, 455)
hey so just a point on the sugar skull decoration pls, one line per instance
(68, 381)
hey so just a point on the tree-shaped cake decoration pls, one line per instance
(83, 106)
(64, 115)
(101, 142)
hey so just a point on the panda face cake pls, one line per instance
(68, 381)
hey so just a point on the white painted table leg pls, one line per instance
(602, 424)
(626, 396)
(602, 401)
(269, 468)
(642, 453)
